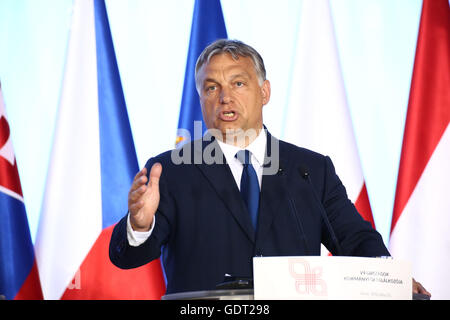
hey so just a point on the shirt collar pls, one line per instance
(257, 148)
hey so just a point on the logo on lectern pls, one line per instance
(307, 280)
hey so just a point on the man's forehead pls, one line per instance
(226, 62)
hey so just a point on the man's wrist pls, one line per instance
(135, 237)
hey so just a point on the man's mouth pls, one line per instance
(229, 115)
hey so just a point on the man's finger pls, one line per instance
(139, 180)
(135, 207)
(155, 174)
(137, 193)
(140, 174)
(143, 172)
(419, 288)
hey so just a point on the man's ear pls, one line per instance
(265, 92)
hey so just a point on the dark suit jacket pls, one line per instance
(203, 229)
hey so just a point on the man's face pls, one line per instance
(230, 94)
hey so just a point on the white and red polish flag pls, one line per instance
(92, 165)
(420, 229)
(317, 116)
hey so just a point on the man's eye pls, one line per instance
(211, 88)
(239, 84)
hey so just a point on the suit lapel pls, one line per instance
(273, 186)
(221, 179)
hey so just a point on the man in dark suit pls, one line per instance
(238, 192)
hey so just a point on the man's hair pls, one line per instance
(236, 49)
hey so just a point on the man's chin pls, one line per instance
(235, 135)
(229, 128)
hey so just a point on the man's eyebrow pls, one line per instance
(209, 80)
(234, 76)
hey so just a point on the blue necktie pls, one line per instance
(249, 186)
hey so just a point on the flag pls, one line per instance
(19, 277)
(92, 166)
(421, 215)
(317, 116)
(208, 25)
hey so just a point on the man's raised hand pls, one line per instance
(143, 198)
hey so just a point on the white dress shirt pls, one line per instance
(257, 149)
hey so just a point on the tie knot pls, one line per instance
(243, 156)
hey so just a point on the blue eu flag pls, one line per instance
(208, 25)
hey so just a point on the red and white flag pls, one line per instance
(421, 216)
(317, 116)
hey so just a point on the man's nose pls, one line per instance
(225, 95)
